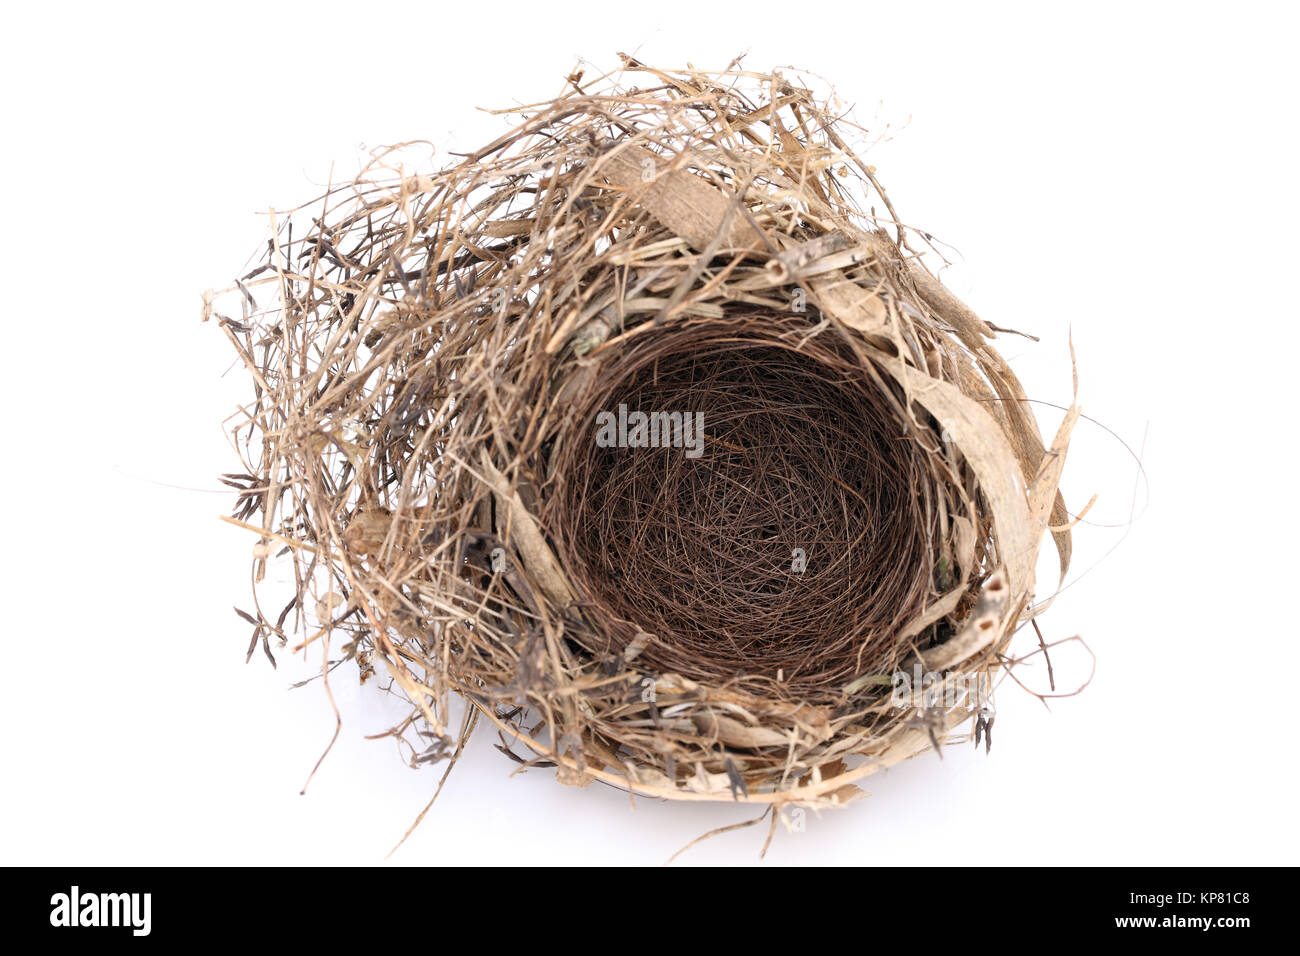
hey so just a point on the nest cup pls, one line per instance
(782, 551)
(645, 431)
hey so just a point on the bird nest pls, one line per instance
(644, 431)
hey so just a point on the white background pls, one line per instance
(1123, 171)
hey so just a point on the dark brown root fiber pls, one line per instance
(802, 452)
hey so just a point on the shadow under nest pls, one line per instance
(721, 618)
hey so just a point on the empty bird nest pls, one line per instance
(645, 432)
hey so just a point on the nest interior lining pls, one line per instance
(786, 557)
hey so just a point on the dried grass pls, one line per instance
(425, 391)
